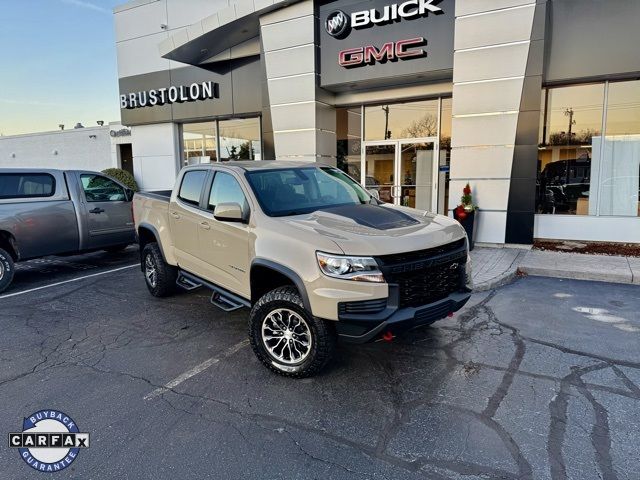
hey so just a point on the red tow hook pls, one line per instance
(450, 314)
(387, 336)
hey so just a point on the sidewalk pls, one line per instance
(494, 267)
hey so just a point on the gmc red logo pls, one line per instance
(390, 52)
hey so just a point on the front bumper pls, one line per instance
(363, 328)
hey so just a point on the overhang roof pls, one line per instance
(205, 40)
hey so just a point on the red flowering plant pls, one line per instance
(466, 204)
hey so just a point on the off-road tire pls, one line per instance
(323, 334)
(7, 270)
(165, 274)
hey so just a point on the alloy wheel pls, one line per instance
(150, 271)
(286, 336)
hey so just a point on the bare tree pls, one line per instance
(426, 126)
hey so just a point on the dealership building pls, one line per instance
(534, 103)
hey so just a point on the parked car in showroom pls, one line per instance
(306, 248)
(55, 212)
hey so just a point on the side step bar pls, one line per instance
(187, 284)
(221, 298)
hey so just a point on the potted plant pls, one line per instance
(465, 213)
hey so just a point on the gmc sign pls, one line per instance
(391, 51)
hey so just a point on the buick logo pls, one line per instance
(454, 266)
(337, 24)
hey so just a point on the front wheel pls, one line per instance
(159, 276)
(7, 270)
(286, 338)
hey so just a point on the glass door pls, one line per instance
(416, 176)
(379, 170)
(402, 172)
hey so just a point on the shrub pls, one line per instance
(123, 177)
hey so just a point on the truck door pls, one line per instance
(106, 211)
(224, 246)
(185, 214)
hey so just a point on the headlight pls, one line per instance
(359, 269)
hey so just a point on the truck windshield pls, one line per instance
(296, 191)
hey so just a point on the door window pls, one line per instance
(191, 186)
(101, 189)
(226, 189)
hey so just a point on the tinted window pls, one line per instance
(226, 189)
(101, 189)
(26, 185)
(191, 187)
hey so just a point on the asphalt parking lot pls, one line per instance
(538, 380)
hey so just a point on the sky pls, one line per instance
(57, 64)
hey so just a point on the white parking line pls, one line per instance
(195, 371)
(68, 281)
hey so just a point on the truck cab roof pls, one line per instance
(252, 165)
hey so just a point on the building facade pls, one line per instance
(535, 103)
(90, 148)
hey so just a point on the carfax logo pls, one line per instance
(50, 440)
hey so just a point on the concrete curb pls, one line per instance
(497, 282)
(575, 266)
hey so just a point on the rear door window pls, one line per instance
(191, 187)
(26, 185)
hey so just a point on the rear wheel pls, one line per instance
(159, 276)
(7, 269)
(286, 338)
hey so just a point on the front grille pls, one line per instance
(426, 276)
(406, 257)
(363, 307)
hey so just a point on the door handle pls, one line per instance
(96, 210)
(175, 215)
(205, 226)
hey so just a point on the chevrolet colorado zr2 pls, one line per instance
(312, 253)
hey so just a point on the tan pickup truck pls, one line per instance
(313, 255)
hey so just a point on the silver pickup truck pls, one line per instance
(54, 212)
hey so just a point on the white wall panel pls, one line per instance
(488, 97)
(582, 227)
(141, 55)
(504, 26)
(487, 194)
(491, 227)
(490, 63)
(482, 162)
(140, 21)
(470, 7)
(484, 130)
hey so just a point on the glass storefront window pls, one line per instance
(572, 121)
(401, 120)
(240, 139)
(615, 177)
(349, 138)
(582, 171)
(199, 143)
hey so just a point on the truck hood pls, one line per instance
(379, 229)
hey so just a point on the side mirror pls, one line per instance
(374, 193)
(228, 212)
(128, 193)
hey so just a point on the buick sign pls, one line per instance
(337, 24)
